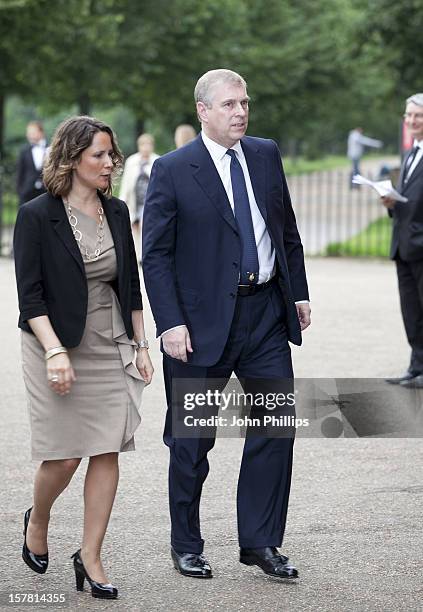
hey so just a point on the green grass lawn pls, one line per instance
(10, 208)
(374, 241)
(300, 165)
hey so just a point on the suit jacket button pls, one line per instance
(235, 264)
(232, 295)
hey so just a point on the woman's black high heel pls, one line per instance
(38, 563)
(99, 590)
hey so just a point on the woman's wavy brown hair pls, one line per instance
(71, 138)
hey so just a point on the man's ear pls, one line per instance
(202, 112)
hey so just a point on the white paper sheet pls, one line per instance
(383, 188)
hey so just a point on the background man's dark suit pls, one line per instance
(29, 182)
(407, 251)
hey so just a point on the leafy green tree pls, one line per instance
(395, 29)
(314, 70)
(165, 46)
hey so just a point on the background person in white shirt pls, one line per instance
(29, 182)
(133, 186)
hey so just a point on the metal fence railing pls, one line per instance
(335, 219)
(8, 206)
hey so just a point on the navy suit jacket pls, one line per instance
(192, 249)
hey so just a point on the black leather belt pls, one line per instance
(246, 290)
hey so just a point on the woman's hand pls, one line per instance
(60, 374)
(144, 365)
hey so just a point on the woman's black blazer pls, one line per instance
(50, 273)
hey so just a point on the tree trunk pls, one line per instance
(139, 126)
(2, 101)
(84, 103)
(2, 108)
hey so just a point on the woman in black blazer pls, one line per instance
(82, 325)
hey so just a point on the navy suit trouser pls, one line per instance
(257, 348)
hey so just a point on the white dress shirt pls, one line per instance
(38, 153)
(265, 250)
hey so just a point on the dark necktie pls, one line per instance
(409, 163)
(249, 257)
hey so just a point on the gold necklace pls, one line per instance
(73, 221)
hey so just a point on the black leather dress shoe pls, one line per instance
(269, 560)
(413, 383)
(191, 564)
(403, 378)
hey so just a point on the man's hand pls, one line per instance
(388, 202)
(304, 315)
(177, 342)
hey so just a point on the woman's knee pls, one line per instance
(67, 466)
(105, 459)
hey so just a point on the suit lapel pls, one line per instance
(257, 171)
(416, 172)
(205, 173)
(115, 220)
(60, 221)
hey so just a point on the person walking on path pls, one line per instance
(81, 320)
(355, 149)
(224, 272)
(407, 243)
(134, 183)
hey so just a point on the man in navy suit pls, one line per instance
(224, 271)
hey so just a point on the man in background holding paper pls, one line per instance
(407, 243)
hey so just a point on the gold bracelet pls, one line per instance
(55, 351)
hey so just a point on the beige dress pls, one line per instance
(101, 412)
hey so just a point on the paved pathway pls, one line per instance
(355, 521)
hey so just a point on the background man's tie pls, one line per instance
(249, 256)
